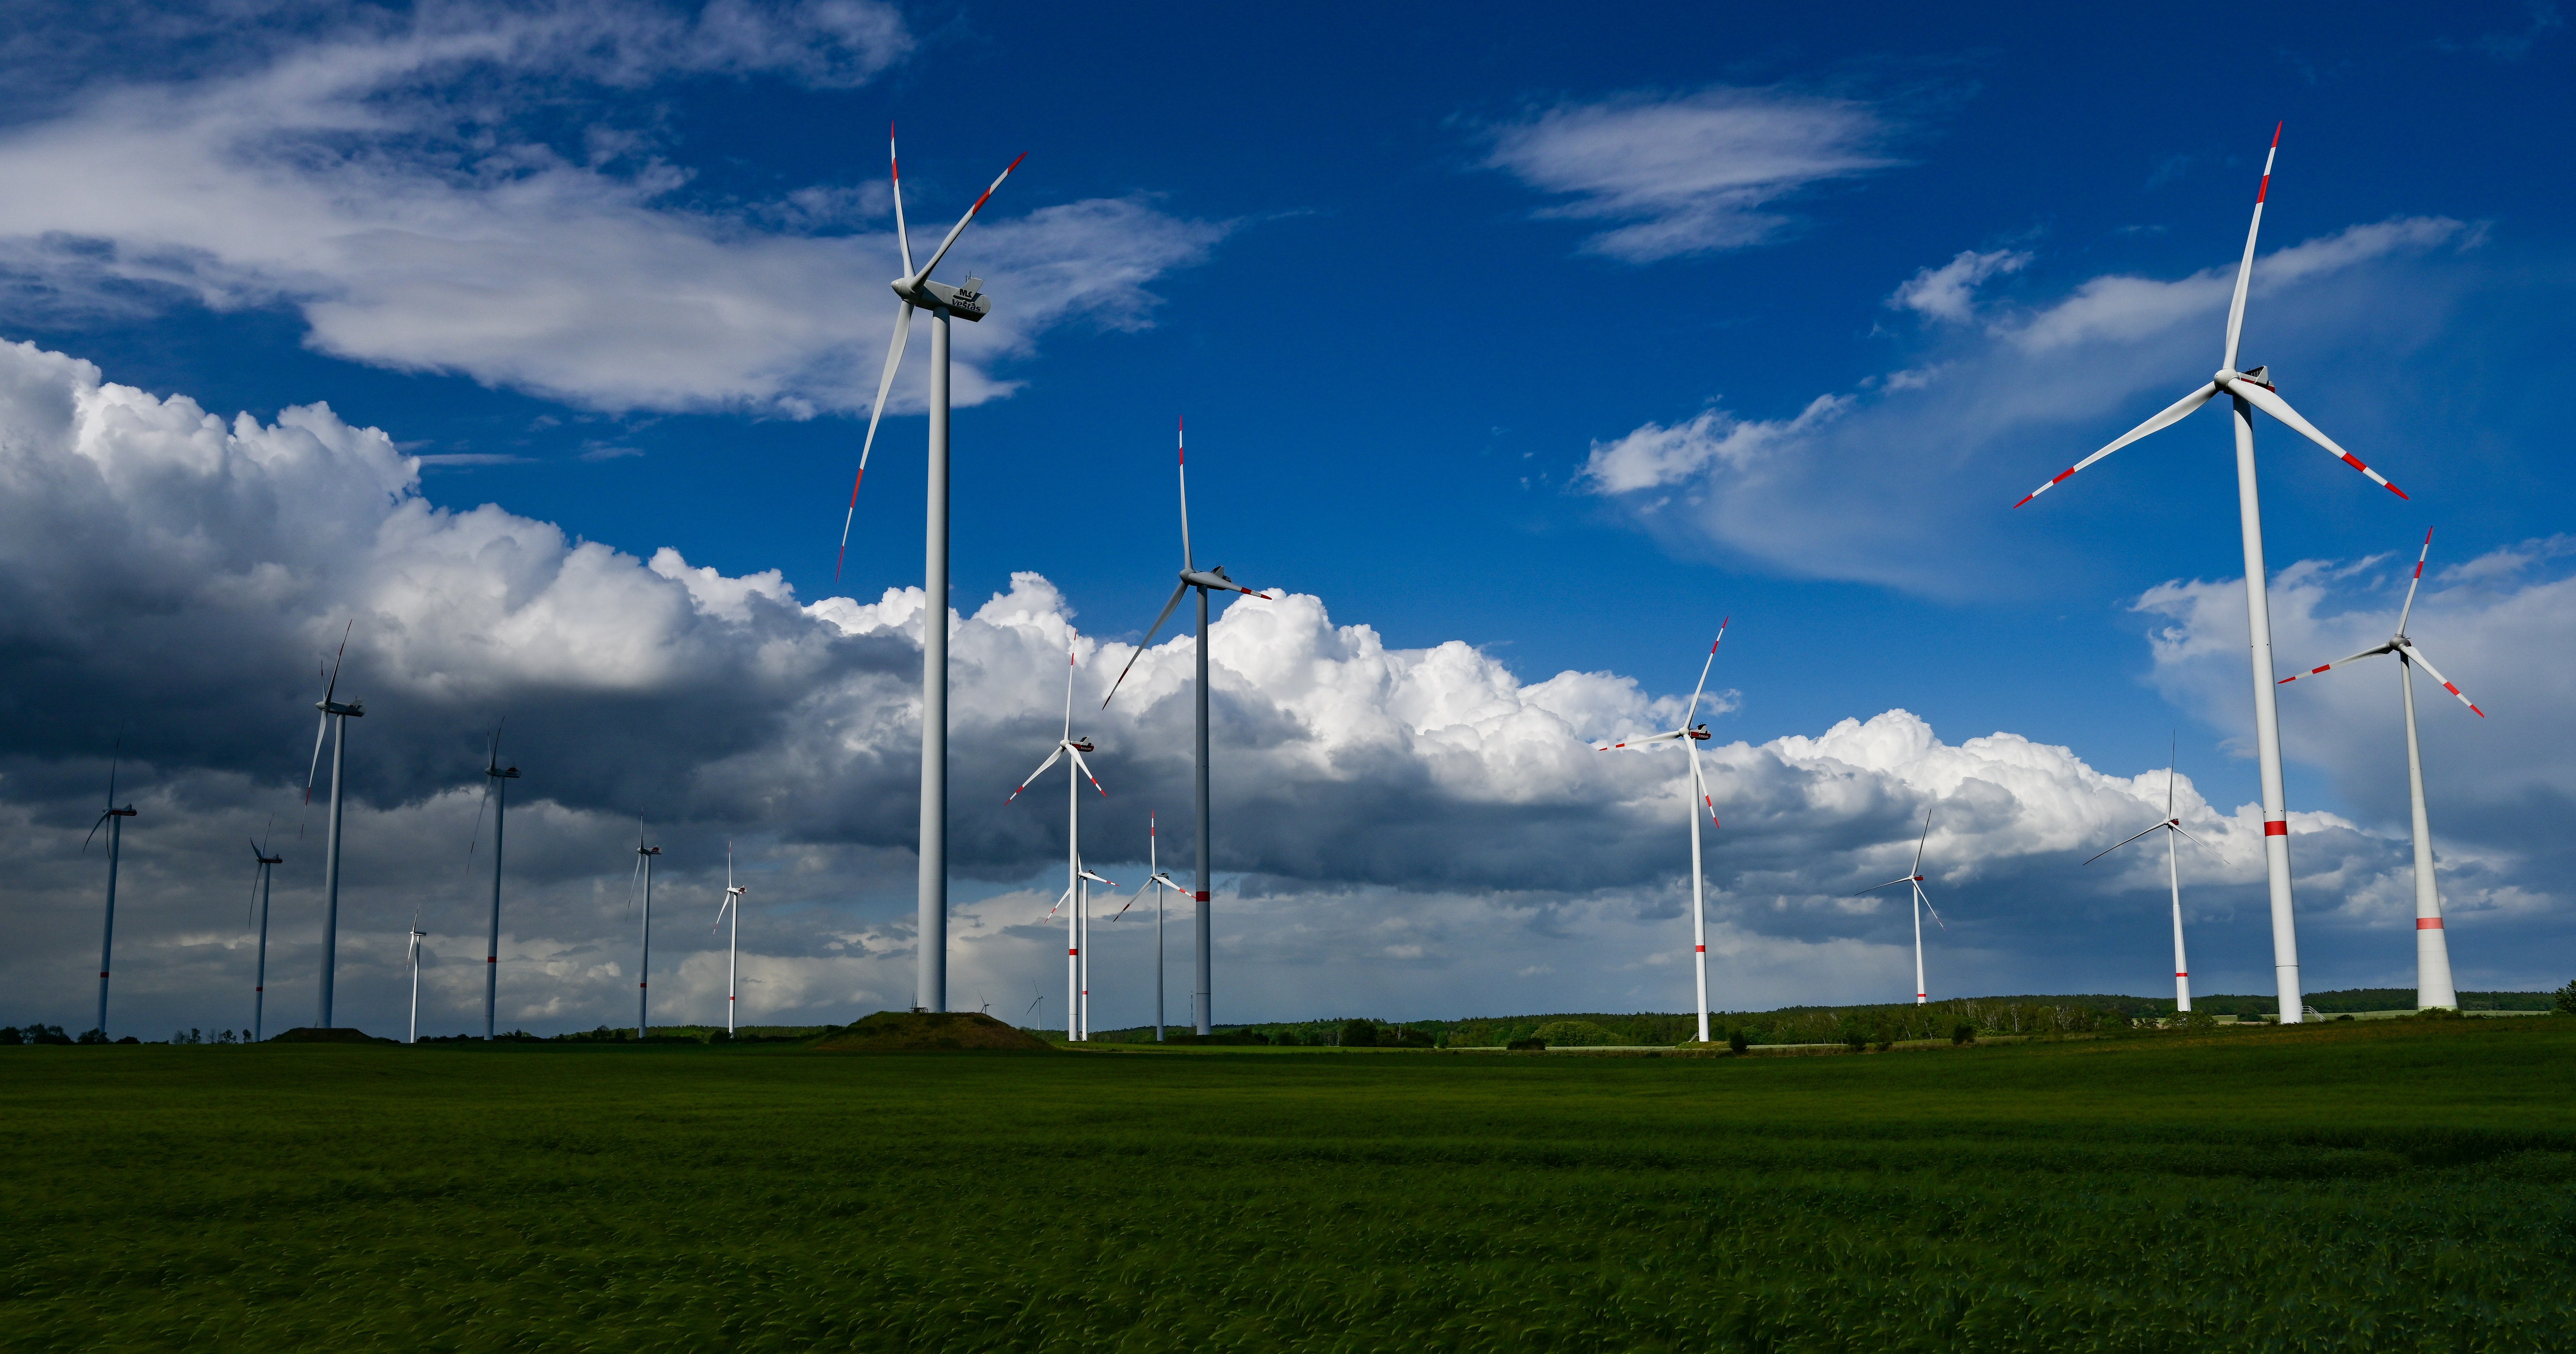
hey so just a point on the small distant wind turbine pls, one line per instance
(2432, 952)
(1203, 998)
(732, 904)
(343, 712)
(1158, 883)
(1075, 774)
(496, 787)
(915, 291)
(2249, 391)
(2172, 828)
(1922, 904)
(644, 957)
(113, 818)
(1690, 736)
(259, 982)
(417, 936)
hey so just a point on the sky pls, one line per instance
(531, 346)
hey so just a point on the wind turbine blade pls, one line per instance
(2170, 415)
(1919, 841)
(2123, 842)
(2372, 652)
(334, 684)
(1168, 882)
(894, 168)
(1704, 666)
(2416, 582)
(2271, 403)
(1888, 885)
(93, 831)
(2245, 266)
(320, 731)
(2173, 759)
(1068, 695)
(1087, 874)
(1926, 899)
(1181, 459)
(1061, 899)
(1033, 776)
(1085, 768)
(960, 227)
(2417, 655)
(2191, 839)
(1641, 739)
(1150, 632)
(894, 359)
(1699, 785)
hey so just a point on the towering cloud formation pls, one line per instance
(1399, 825)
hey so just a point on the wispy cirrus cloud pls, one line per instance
(1692, 173)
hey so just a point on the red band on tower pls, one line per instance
(2281, 829)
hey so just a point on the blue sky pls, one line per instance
(1557, 337)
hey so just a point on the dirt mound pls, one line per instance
(931, 1032)
(314, 1034)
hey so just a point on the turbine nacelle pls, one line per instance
(2256, 376)
(1698, 731)
(966, 303)
(353, 709)
(1214, 578)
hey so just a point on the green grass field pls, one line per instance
(2381, 1187)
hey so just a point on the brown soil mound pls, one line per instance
(315, 1034)
(931, 1032)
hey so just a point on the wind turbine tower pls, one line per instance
(2432, 950)
(733, 944)
(2171, 827)
(1690, 736)
(1068, 746)
(2247, 391)
(342, 712)
(915, 291)
(1202, 998)
(259, 980)
(644, 958)
(113, 818)
(498, 779)
(1922, 904)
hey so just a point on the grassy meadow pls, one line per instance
(2381, 1186)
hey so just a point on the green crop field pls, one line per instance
(2390, 1186)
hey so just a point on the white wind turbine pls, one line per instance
(417, 936)
(1082, 931)
(915, 291)
(1074, 875)
(2247, 392)
(342, 712)
(1202, 999)
(259, 980)
(644, 955)
(733, 944)
(497, 789)
(2432, 952)
(1922, 904)
(2172, 828)
(1690, 736)
(1158, 883)
(113, 818)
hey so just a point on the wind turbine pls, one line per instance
(1690, 736)
(2432, 952)
(1202, 999)
(259, 982)
(1159, 882)
(1078, 772)
(2171, 827)
(732, 903)
(114, 820)
(1922, 905)
(644, 959)
(417, 936)
(496, 788)
(915, 291)
(2248, 391)
(343, 712)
